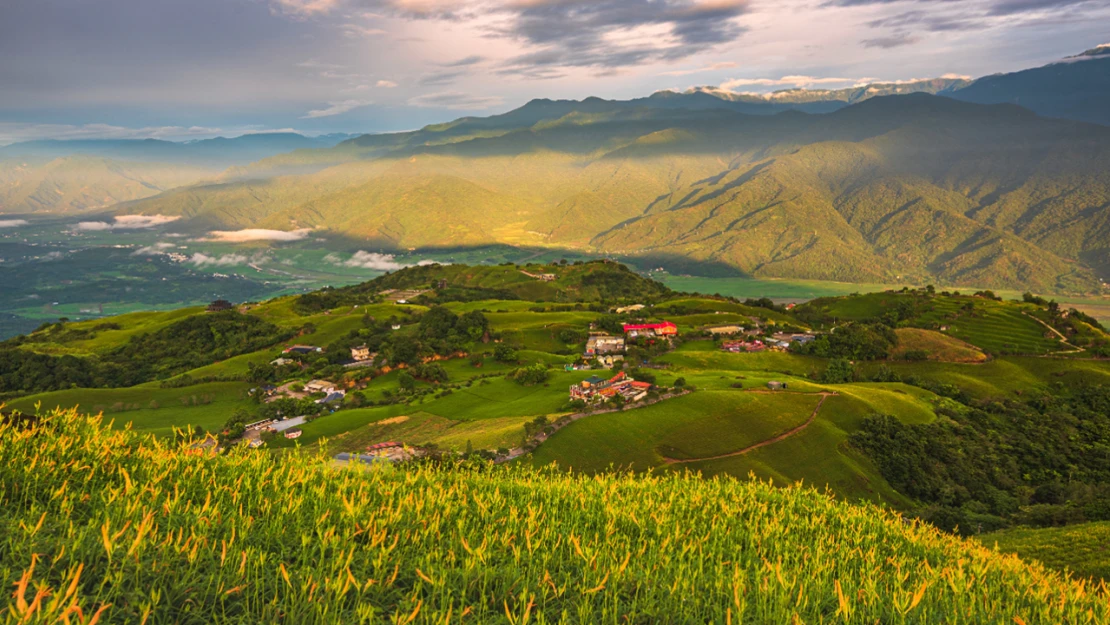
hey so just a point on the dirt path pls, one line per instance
(1063, 339)
(562, 422)
(770, 441)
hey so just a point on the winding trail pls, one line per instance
(1075, 349)
(770, 441)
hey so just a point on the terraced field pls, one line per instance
(996, 327)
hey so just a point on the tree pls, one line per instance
(839, 371)
(530, 375)
(680, 382)
(406, 382)
(504, 353)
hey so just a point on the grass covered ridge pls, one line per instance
(107, 522)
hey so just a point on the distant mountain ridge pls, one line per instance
(63, 176)
(218, 152)
(916, 188)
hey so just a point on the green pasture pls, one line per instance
(149, 408)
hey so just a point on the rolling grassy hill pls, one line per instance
(297, 537)
(913, 188)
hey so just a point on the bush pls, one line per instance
(839, 371)
(504, 353)
(530, 375)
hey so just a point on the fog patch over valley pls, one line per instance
(371, 260)
(256, 234)
(127, 222)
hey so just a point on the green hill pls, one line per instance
(913, 188)
(592, 281)
(250, 538)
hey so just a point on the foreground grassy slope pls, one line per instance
(129, 529)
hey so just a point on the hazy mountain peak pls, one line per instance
(1100, 50)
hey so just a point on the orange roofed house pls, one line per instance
(594, 388)
(665, 328)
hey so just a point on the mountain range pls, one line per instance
(986, 183)
(90, 174)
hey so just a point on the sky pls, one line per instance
(179, 69)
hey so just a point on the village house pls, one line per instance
(319, 386)
(789, 338)
(609, 360)
(293, 433)
(302, 349)
(333, 396)
(281, 362)
(737, 347)
(665, 328)
(628, 309)
(603, 344)
(775, 385)
(219, 306)
(726, 329)
(361, 353)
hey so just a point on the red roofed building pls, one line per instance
(665, 328)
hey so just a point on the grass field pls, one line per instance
(1083, 549)
(422, 428)
(937, 345)
(149, 408)
(253, 537)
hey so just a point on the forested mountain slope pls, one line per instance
(892, 188)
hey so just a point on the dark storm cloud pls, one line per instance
(571, 33)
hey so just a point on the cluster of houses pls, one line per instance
(595, 389)
(779, 341)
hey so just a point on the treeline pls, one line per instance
(989, 464)
(193, 342)
(854, 341)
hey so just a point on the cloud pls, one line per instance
(127, 222)
(473, 59)
(707, 68)
(385, 84)
(336, 108)
(893, 41)
(257, 234)
(204, 260)
(13, 223)
(371, 260)
(152, 250)
(790, 81)
(355, 31)
(304, 8)
(931, 21)
(441, 78)
(455, 100)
